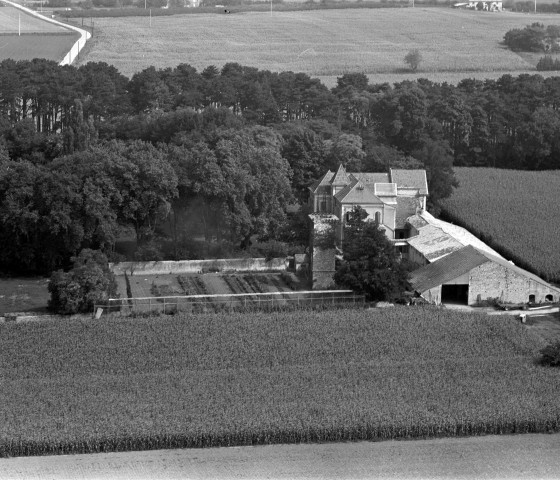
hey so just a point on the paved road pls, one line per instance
(492, 457)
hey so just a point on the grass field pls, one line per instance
(515, 211)
(209, 380)
(325, 43)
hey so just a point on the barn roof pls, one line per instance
(437, 238)
(410, 179)
(460, 262)
(433, 243)
(446, 269)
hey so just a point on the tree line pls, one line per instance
(86, 151)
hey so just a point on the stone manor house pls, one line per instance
(454, 266)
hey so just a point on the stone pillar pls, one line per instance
(322, 250)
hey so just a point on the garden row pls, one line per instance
(246, 379)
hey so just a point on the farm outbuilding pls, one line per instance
(470, 275)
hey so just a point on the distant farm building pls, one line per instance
(482, 6)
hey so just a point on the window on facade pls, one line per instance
(548, 298)
(323, 206)
(532, 299)
(377, 217)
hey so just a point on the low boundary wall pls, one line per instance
(78, 45)
(199, 266)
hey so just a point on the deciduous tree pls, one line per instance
(370, 263)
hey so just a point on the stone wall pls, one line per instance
(199, 266)
(492, 280)
(433, 295)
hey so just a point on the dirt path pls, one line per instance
(496, 457)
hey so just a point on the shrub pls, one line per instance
(90, 281)
(551, 355)
(413, 59)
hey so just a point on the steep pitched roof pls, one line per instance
(410, 179)
(324, 180)
(446, 269)
(340, 177)
(357, 193)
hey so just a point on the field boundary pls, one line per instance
(78, 45)
(230, 302)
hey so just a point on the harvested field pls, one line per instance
(324, 43)
(238, 378)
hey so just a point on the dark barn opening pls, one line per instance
(455, 294)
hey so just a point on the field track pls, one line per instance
(504, 457)
(324, 43)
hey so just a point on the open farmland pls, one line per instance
(193, 381)
(38, 39)
(324, 43)
(516, 212)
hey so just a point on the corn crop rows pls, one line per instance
(515, 212)
(245, 379)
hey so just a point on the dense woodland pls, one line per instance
(223, 153)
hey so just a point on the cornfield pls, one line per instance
(246, 379)
(515, 212)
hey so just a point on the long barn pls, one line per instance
(471, 275)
